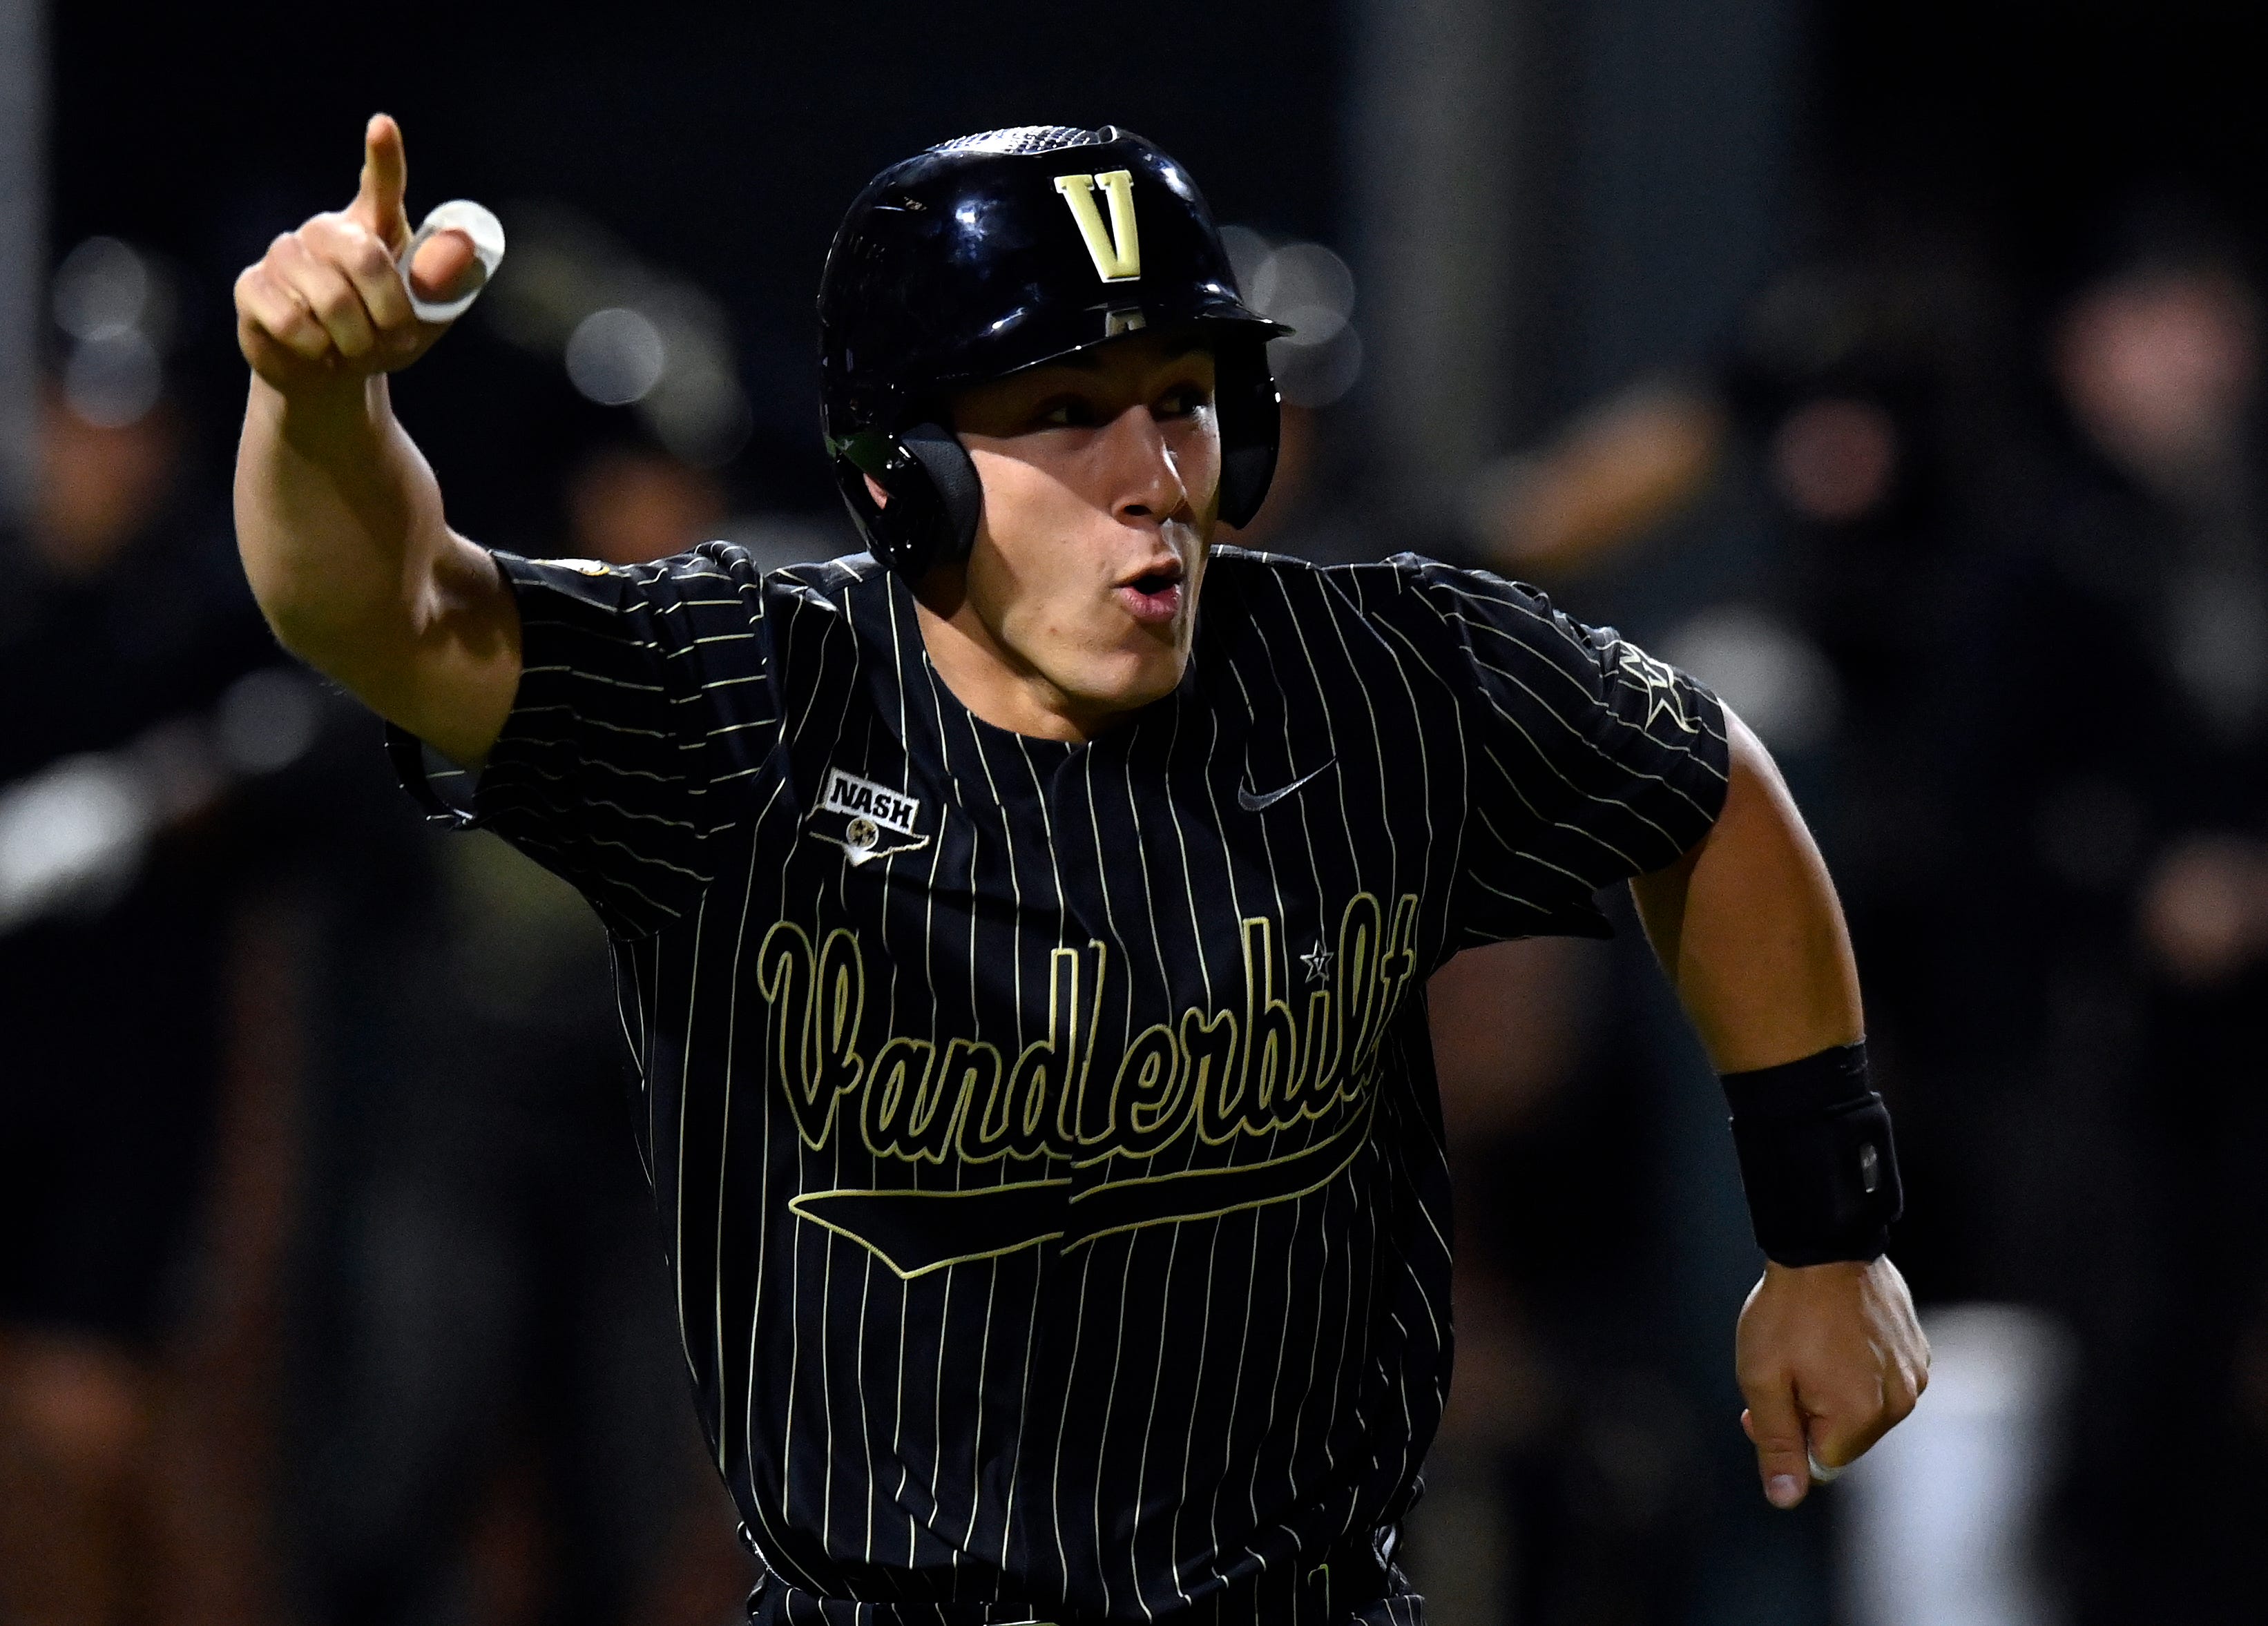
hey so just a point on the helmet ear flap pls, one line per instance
(936, 497)
(1251, 417)
(953, 475)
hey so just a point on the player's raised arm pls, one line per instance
(338, 516)
(1828, 1354)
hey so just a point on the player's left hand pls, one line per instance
(1829, 1358)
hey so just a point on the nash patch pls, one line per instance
(847, 793)
(865, 819)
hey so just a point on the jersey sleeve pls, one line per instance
(1589, 761)
(646, 708)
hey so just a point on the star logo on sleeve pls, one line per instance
(1659, 684)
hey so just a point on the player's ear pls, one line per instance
(875, 489)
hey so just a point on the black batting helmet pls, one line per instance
(1001, 251)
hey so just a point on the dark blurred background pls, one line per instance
(1896, 368)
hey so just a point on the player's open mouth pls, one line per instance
(1154, 597)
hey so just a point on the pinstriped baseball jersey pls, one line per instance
(1045, 1135)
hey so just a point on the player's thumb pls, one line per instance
(1775, 1424)
(380, 203)
(443, 267)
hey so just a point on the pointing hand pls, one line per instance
(327, 303)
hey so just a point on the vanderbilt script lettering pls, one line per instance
(1259, 1067)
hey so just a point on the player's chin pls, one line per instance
(1133, 676)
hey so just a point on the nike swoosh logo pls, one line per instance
(1250, 803)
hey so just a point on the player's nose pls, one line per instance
(1144, 475)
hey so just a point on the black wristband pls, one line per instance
(1816, 1158)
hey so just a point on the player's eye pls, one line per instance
(1183, 400)
(1066, 412)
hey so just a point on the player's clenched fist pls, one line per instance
(1829, 1358)
(327, 301)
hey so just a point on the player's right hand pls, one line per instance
(327, 302)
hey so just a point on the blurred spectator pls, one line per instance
(1839, 484)
(1885, 440)
(1805, 526)
(125, 620)
(2024, 700)
(2126, 734)
(628, 504)
(1610, 476)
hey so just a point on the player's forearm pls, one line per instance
(340, 524)
(1747, 926)
(337, 518)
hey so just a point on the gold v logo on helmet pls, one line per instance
(1117, 252)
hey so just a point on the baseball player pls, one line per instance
(1021, 928)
